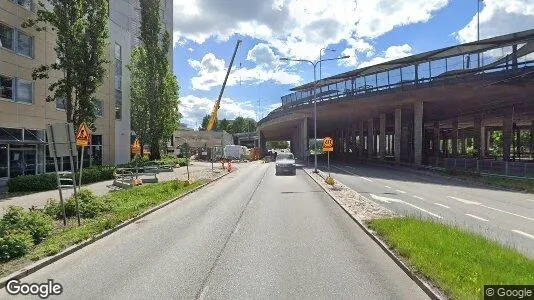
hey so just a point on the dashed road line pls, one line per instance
(361, 177)
(365, 178)
(400, 191)
(507, 212)
(442, 205)
(523, 233)
(417, 197)
(464, 201)
(387, 187)
(423, 210)
(477, 217)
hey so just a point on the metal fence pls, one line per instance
(488, 166)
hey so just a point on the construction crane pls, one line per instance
(213, 118)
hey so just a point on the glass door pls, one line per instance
(22, 160)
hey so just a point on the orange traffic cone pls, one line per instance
(229, 167)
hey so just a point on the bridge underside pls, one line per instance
(420, 125)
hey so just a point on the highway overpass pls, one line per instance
(417, 109)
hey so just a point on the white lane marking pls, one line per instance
(442, 205)
(507, 212)
(417, 197)
(400, 191)
(423, 210)
(477, 217)
(464, 201)
(387, 186)
(361, 177)
(523, 233)
(389, 200)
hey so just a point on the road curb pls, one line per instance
(425, 286)
(51, 259)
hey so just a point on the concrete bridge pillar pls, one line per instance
(478, 140)
(506, 137)
(454, 138)
(418, 132)
(303, 139)
(398, 134)
(435, 143)
(370, 137)
(532, 139)
(361, 145)
(263, 144)
(382, 140)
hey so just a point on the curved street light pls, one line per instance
(314, 64)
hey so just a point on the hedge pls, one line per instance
(46, 182)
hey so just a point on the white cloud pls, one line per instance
(499, 17)
(356, 47)
(298, 28)
(190, 49)
(391, 53)
(194, 108)
(212, 70)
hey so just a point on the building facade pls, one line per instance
(24, 113)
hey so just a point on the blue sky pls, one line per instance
(205, 33)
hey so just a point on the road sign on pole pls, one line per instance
(328, 146)
(83, 136)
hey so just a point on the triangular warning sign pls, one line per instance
(83, 136)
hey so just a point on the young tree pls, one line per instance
(81, 29)
(205, 122)
(154, 89)
(223, 125)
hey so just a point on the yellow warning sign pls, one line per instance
(83, 136)
(136, 147)
(328, 144)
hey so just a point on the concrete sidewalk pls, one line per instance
(196, 170)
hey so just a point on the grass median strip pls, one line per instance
(458, 262)
(122, 205)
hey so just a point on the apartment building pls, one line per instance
(24, 113)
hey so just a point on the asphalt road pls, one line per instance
(504, 216)
(250, 235)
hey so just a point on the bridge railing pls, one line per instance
(426, 72)
(488, 166)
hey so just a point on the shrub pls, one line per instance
(37, 224)
(90, 206)
(45, 182)
(32, 183)
(15, 244)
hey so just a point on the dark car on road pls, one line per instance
(285, 164)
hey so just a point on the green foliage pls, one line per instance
(205, 122)
(154, 90)
(81, 44)
(277, 145)
(32, 183)
(90, 206)
(46, 182)
(241, 125)
(459, 262)
(20, 229)
(223, 125)
(15, 244)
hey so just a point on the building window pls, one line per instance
(99, 108)
(6, 87)
(118, 105)
(24, 44)
(27, 4)
(118, 82)
(61, 103)
(24, 91)
(6, 37)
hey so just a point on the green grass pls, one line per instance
(126, 204)
(460, 263)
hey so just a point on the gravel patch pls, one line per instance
(359, 206)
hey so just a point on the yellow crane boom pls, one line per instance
(213, 118)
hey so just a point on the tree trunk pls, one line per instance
(154, 150)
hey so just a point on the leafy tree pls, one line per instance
(205, 122)
(241, 125)
(154, 89)
(81, 29)
(223, 125)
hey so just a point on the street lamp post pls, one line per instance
(314, 64)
